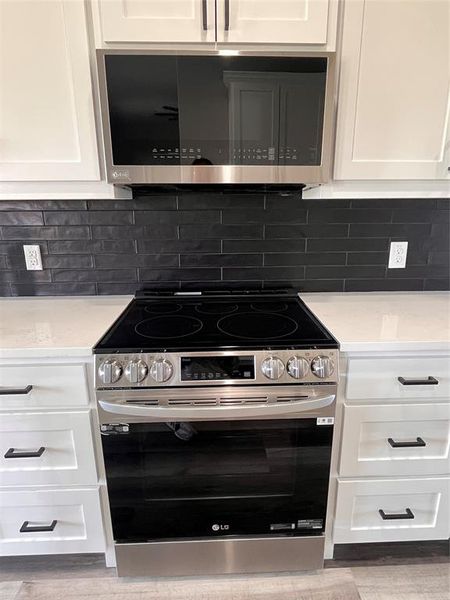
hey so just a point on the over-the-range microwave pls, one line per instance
(210, 118)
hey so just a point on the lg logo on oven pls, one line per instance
(217, 527)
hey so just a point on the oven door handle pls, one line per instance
(245, 411)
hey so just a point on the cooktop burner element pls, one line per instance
(216, 308)
(169, 327)
(215, 321)
(162, 308)
(257, 325)
(270, 307)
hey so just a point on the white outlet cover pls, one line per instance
(397, 255)
(33, 258)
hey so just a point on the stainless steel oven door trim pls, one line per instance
(218, 404)
(221, 174)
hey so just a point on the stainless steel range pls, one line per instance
(217, 415)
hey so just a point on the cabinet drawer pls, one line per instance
(414, 509)
(53, 386)
(370, 378)
(396, 439)
(46, 449)
(52, 522)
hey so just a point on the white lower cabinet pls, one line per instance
(392, 510)
(50, 522)
(49, 487)
(393, 474)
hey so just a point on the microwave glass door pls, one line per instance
(218, 478)
(215, 110)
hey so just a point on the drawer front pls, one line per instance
(371, 378)
(413, 509)
(46, 449)
(50, 522)
(53, 386)
(396, 439)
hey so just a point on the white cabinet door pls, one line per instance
(43, 386)
(272, 21)
(400, 378)
(395, 440)
(46, 448)
(394, 90)
(157, 21)
(399, 510)
(47, 128)
(56, 521)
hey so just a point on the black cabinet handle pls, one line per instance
(26, 528)
(227, 15)
(205, 14)
(408, 514)
(8, 391)
(13, 453)
(428, 381)
(419, 443)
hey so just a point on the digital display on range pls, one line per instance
(216, 368)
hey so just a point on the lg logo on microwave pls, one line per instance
(217, 527)
(120, 174)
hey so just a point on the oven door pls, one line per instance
(184, 479)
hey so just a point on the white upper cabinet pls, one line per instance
(272, 21)
(394, 90)
(167, 21)
(47, 127)
(221, 21)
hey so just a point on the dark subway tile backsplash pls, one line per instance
(177, 239)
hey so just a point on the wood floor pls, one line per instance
(363, 572)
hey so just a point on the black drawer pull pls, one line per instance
(26, 528)
(419, 443)
(8, 391)
(428, 381)
(13, 453)
(408, 514)
(205, 14)
(227, 15)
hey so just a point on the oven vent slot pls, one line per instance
(290, 398)
(192, 402)
(144, 402)
(244, 400)
(204, 402)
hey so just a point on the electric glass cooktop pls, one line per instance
(172, 323)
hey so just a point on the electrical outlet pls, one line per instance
(33, 258)
(397, 255)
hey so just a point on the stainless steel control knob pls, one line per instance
(110, 371)
(322, 366)
(136, 370)
(161, 370)
(297, 367)
(272, 367)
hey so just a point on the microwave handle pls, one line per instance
(179, 413)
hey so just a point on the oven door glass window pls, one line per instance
(214, 479)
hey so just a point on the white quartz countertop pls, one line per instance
(56, 326)
(71, 326)
(385, 321)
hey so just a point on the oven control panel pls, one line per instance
(122, 371)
